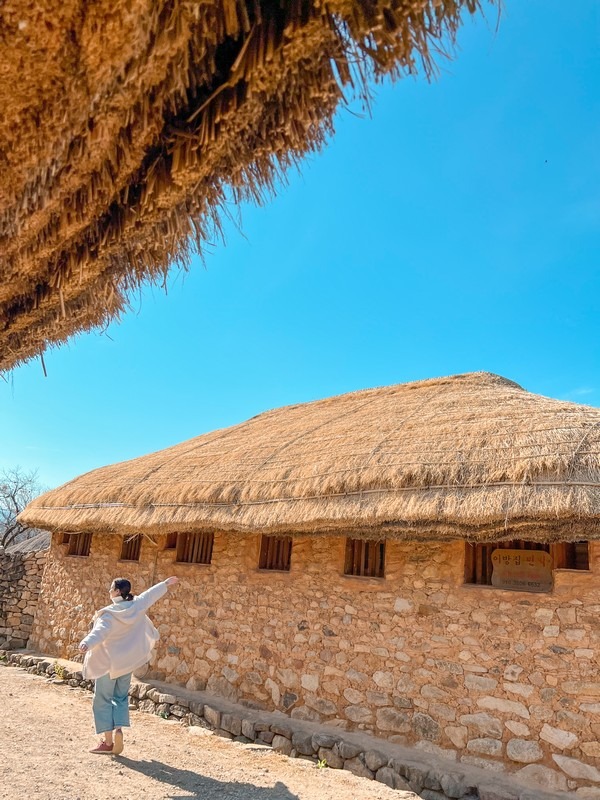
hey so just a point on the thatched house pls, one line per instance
(125, 125)
(420, 561)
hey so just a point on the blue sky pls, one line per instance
(457, 229)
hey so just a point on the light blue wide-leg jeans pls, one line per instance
(111, 703)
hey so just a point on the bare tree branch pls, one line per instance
(17, 488)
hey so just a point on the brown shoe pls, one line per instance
(102, 747)
(117, 748)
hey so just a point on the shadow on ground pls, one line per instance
(198, 786)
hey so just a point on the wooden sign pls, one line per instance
(522, 570)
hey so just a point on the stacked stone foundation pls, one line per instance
(20, 579)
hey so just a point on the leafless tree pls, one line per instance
(17, 488)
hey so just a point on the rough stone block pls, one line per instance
(388, 719)
(357, 767)
(456, 785)
(332, 759)
(504, 706)
(212, 716)
(425, 727)
(320, 705)
(281, 744)
(232, 724)
(347, 750)
(545, 777)
(248, 729)
(282, 729)
(196, 708)
(324, 740)
(577, 769)
(485, 746)
(261, 726)
(414, 773)
(374, 760)
(523, 751)
(358, 713)
(558, 737)
(302, 743)
(392, 779)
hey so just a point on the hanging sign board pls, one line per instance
(522, 570)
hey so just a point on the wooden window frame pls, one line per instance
(195, 548)
(565, 556)
(171, 542)
(275, 554)
(131, 547)
(364, 558)
(79, 545)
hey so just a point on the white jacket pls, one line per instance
(123, 637)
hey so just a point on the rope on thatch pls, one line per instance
(462, 456)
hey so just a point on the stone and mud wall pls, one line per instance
(496, 679)
(20, 578)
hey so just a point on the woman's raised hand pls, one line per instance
(83, 648)
(172, 581)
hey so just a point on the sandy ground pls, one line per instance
(46, 732)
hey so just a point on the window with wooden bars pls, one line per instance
(364, 559)
(66, 538)
(130, 549)
(171, 542)
(565, 555)
(275, 553)
(79, 544)
(194, 548)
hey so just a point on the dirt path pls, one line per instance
(46, 731)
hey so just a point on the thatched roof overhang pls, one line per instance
(124, 124)
(467, 457)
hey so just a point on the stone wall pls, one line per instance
(403, 768)
(502, 680)
(20, 578)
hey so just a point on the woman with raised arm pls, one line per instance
(121, 641)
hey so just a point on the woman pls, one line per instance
(120, 642)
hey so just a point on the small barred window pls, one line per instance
(275, 553)
(364, 559)
(79, 544)
(195, 548)
(130, 549)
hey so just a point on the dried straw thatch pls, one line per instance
(123, 123)
(472, 456)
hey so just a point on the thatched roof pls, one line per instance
(34, 544)
(471, 456)
(123, 123)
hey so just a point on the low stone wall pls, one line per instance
(20, 579)
(430, 777)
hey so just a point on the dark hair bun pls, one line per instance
(123, 586)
